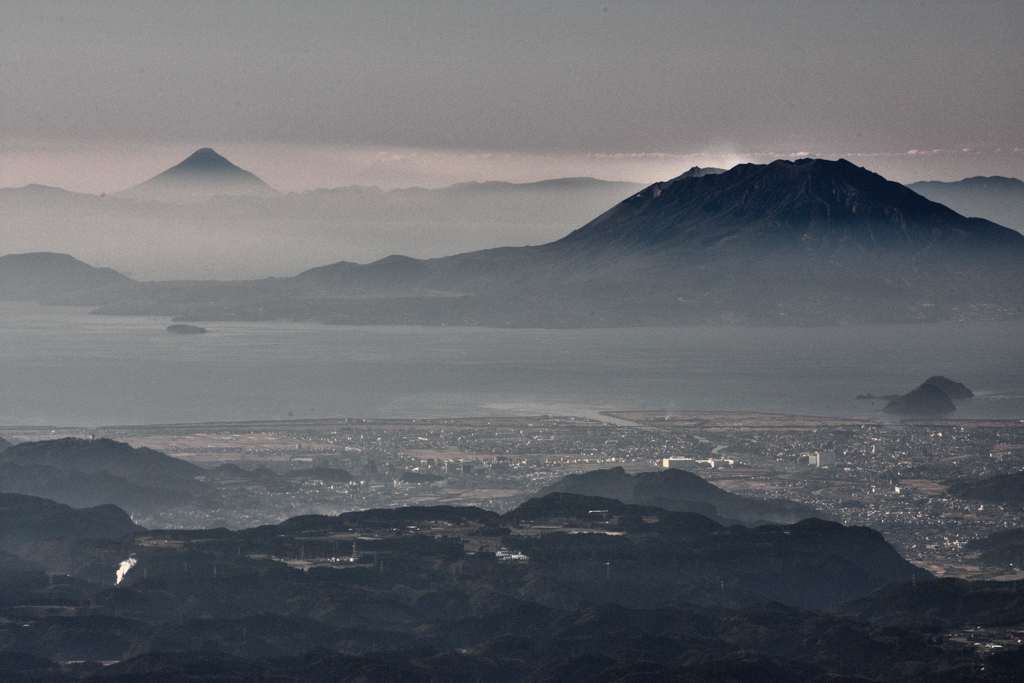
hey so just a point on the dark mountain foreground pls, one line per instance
(565, 587)
(942, 604)
(84, 473)
(674, 489)
(1002, 550)
(51, 536)
(25, 520)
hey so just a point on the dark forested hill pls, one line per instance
(565, 587)
(85, 472)
(674, 489)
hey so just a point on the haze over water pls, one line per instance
(63, 366)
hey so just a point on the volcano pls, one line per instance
(202, 175)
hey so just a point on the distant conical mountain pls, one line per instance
(202, 175)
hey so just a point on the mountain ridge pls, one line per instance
(997, 198)
(721, 237)
(41, 275)
(87, 473)
(246, 236)
(800, 242)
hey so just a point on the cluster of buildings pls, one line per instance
(891, 477)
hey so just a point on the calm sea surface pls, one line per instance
(62, 366)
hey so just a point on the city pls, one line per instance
(891, 476)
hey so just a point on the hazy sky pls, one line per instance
(98, 95)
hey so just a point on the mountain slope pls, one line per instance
(996, 198)
(256, 235)
(143, 465)
(790, 242)
(674, 489)
(83, 472)
(810, 208)
(43, 275)
(685, 554)
(811, 204)
(202, 175)
(56, 536)
(804, 241)
(25, 520)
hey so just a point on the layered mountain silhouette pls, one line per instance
(45, 532)
(996, 198)
(27, 519)
(807, 240)
(795, 242)
(811, 206)
(202, 175)
(83, 473)
(193, 232)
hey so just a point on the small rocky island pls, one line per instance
(935, 396)
(957, 391)
(181, 328)
(927, 399)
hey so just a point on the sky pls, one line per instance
(96, 96)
